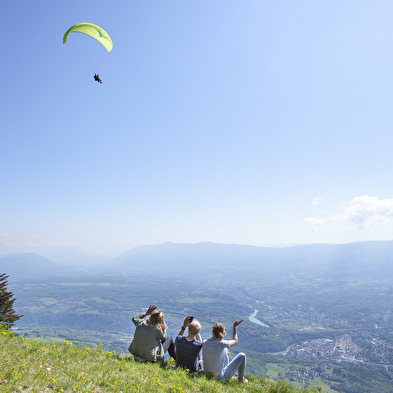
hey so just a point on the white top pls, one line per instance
(215, 354)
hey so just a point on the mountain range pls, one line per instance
(368, 260)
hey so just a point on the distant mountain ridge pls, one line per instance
(353, 260)
(25, 265)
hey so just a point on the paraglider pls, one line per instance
(93, 31)
(97, 78)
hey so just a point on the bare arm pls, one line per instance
(137, 320)
(234, 339)
(185, 324)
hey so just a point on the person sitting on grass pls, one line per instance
(188, 348)
(150, 342)
(216, 357)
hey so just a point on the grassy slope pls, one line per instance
(32, 366)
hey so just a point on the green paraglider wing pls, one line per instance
(93, 31)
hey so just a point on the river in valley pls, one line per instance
(252, 318)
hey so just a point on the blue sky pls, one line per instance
(251, 122)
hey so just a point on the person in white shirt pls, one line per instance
(215, 355)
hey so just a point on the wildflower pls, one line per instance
(158, 382)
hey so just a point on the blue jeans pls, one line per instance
(237, 364)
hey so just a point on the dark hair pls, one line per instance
(219, 331)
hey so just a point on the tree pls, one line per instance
(7, 313)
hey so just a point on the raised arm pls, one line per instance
(235, 325)
(137, 320)
(150, 310)
(186, 322)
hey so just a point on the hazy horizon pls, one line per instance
(70, 253)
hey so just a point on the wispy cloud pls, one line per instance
(312, 220)
(5, 238)
(363, 211)
(317, 201)
(367, 211)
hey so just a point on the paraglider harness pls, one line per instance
(97, 78)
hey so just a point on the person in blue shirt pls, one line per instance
(188, 347)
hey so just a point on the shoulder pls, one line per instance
(225, 343)
(211, 342)
(138, 318)
(198, 343)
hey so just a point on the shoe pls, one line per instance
(244, 380)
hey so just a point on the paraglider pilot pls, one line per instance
(97, 78)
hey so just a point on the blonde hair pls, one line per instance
(194, 327)
(157, 318)
(219, 331)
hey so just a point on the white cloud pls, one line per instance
(364, 211)
(367, 211)
(317, 201)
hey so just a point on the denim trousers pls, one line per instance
(237, 364)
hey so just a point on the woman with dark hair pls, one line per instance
(216, 355)
(150, 341)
